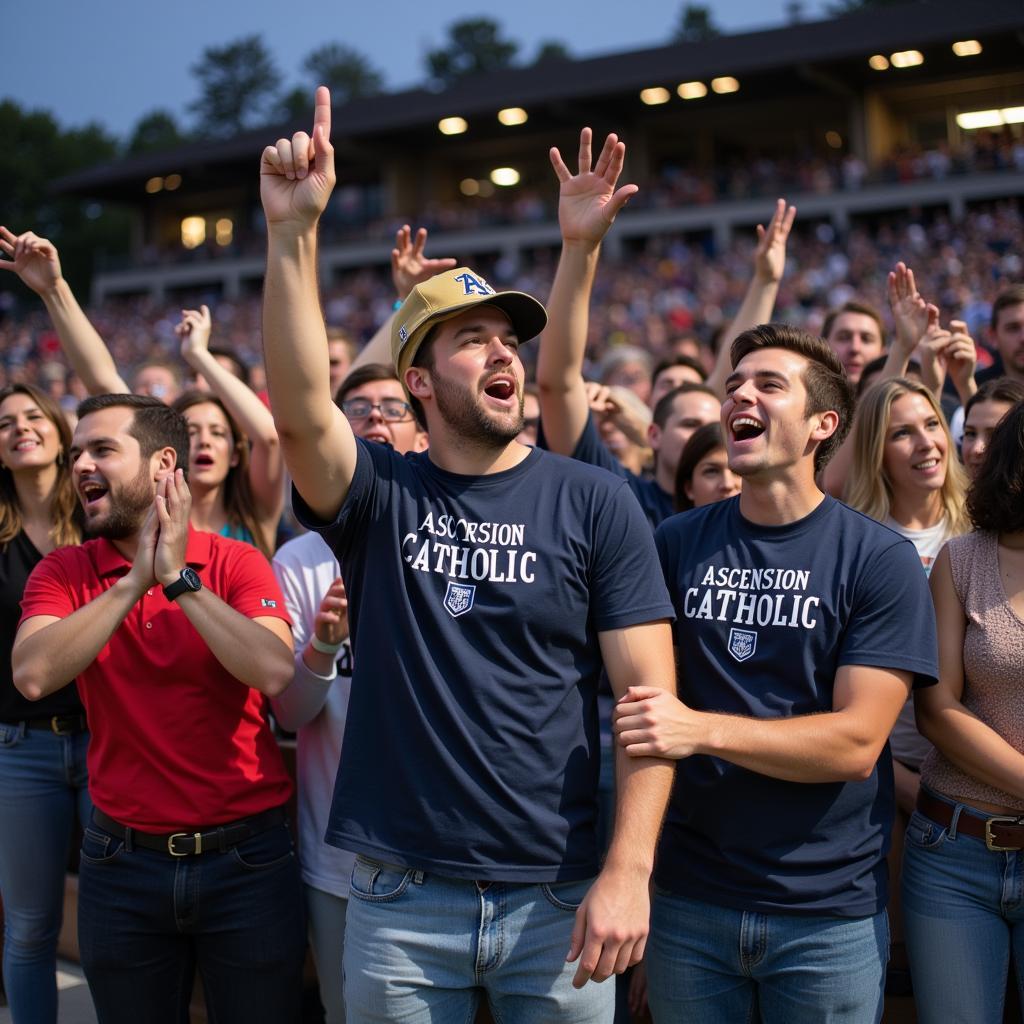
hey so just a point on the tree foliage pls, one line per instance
(154, 131)
(474, 46)
(551, 49)
(238, 86)
(696, 24)
(345, 71)
(842, 7)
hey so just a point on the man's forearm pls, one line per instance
(247, 650)
(643, 786)
(50, 658)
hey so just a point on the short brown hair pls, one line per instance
(1012, 296)
(853, 306)
(825, 380)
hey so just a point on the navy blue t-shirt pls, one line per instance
(765, 618)
(471, 745)
(657, 504)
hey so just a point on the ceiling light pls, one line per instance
(834, 139)
(692, 90)
(154, 185)
(172, 181)
(907, 59)
(505, 176)
(469, 186)
(511, 116)
(967, 48)
(655, 96)
(980, 119)
(1013, 115)
(452, 125)
(725, 84)
(878, 62)
(193, 232)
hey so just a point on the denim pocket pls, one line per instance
(376, 882)
(566, 895)
(11, 735)
(99, 847)
(924, 833)
(265, 850)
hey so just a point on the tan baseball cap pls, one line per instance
(448, 294)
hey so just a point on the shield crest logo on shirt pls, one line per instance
(458, 598)
(742, 643)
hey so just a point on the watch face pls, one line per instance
(191, 578)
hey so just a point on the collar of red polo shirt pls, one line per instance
(198, 551)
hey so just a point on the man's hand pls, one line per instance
(910, 312)
(173, 504)
(297, 175)
(961, 359)
(770, 254)
(409, 267)
(588, 201)
(194, 331)
(649, 722)
(32, 258)
(141, 573)
(331, 622)
(611, 926)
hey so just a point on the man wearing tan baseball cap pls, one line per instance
(488, 583)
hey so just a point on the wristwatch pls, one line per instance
(187, 580)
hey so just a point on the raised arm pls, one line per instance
(296, 180)
(409, 266)
(759, 302)
(958, 734)
(587, 205)
(36, 261)
(612, 922)
(266, 466)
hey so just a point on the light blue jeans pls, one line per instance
(712, 964)
(963, 908)
(424, 948)
(42, 786)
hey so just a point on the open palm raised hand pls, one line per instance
(32, 258)
(588, 200)
(297, 174)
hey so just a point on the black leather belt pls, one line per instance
(204, 840)
(62, 725)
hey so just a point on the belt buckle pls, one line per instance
(990, 839)
(197, 836)
(55, 726)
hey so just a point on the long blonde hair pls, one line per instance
(65, 513)
(868, 488)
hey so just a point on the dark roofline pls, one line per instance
(908, 25)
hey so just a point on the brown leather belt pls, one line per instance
(1001, 832)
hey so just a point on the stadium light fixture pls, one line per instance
(172, 182)
(974, 119)
(692, 90)
(505, 176)
(967, 48)
(907, 58)
(655, 96)
(154, 185)
(511, 116)
(1013, 115)
(452, 125)
(193, 232)
(725, 84)
(469, 186)
(879, 62)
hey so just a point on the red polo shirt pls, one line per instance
(177, 742)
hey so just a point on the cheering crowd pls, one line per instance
(550, 730)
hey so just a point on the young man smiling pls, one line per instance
(486, 581)
(801, 625)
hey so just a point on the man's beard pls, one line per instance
(470, 420)
(128, 508)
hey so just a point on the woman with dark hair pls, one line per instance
(43, 780)
(236, 469)
(703, 475)
(964, 852)
(983, 411)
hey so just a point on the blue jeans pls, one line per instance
(423, 948)
(147, 920)
(42, 787)
(963, 908)
(713, 964)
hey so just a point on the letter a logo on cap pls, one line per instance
(474, 285)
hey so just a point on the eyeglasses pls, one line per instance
(393, 410)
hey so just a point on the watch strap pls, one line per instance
(174, 590)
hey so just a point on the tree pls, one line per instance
(551, 49)
(842, 7)
(238, 83)
(154, 131)
(346, 72)
(696, 24)
(475, 46)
